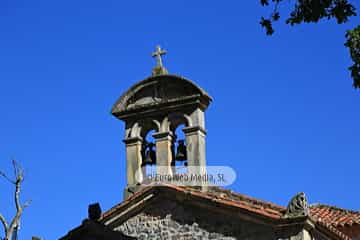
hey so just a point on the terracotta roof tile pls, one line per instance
(252, 204)
(220, 195)
(334, 230)
(334, 215)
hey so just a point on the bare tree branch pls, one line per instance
(18, 170)
(19, 178)
(5, 224)
(14, 223)
(26, 204)
(19, 210)
(15, 168)
(6, 177)
(17, 195)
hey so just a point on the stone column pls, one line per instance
(133, 160)
(195, 149)
(163, 152)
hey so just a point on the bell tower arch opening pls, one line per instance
(179, 162)
(148, 154)
(179, 121)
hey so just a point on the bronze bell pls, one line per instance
(181, 151)
(150, 155)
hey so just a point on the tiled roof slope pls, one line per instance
(233, 198)
(341, 222)
(219, 195)
(334, 215)
(344, 223)
(344, 220)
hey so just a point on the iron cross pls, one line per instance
(158, 53)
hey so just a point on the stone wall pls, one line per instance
(148, 227)
(171, 220)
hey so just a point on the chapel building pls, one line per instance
(160, 105)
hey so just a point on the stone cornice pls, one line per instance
(193, 130)
(133, 140)
(163, 136)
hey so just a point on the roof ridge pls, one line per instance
(252, 199)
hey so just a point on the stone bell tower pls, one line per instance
(162, 103)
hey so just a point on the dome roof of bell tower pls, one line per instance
(160, 93)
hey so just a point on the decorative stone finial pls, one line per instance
(298, 206)
(159, 69)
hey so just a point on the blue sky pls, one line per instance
(284, 116)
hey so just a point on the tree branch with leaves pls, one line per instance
(10, 229)
(312, 11)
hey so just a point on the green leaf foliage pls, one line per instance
(353, 43)
(312, 11)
